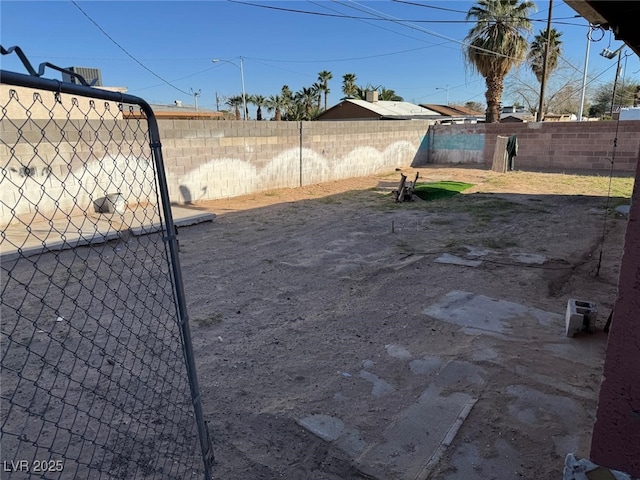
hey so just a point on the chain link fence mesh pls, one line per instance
(94, 382)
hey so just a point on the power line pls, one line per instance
(349, 59)
(438, 35)
(471, 21)
(174, 80)
(374, 25)
(125, 51)
(334, 15)
(430, 6)
(354, 17)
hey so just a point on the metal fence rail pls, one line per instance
(98, 378)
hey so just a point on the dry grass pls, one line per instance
(485, 181)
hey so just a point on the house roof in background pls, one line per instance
(383, 109)
(174, 111)
(452, 110)
(517, 117)
(387, 108)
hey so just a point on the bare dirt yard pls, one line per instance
(341, 335)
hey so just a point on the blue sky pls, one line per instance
(175, 41)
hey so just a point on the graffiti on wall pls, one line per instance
(29, 171)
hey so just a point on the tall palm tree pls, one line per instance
(535, 57)
(287, 98)
(259, 101)
(324, 77)
(349, 87)
(497, 43)
(235, 102)
(317, 89)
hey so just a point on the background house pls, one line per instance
(176, 111)
(456, 113)
(374, 109)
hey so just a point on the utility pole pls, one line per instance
(584, 74)
(195, 97)
(606, 53)
(244, 96)
(543, 82)
(615, 83)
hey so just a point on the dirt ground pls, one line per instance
(292, 292)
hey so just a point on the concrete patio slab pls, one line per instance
(455, 260)
(415, 439)
(70, 232)
(491, 316)
(413, 443)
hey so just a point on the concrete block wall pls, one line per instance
(48, 171)
(68, 169)
(207, 160)
(549, 146)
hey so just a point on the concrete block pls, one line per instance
(583, 469)
(580, 316)
(111, 203)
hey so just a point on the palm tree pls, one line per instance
(324, 77)
(259, 101)
(317, 89)
(277, 103)
(384, 93)
(360, 93)
(349, 85)
(389, 95)
(496, 44)
(305, 98)
(287, 98)
(535, 57)
(235, 102)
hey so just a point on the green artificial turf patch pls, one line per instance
(443, 189)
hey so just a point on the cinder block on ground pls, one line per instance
(581, 316)
(583, 469)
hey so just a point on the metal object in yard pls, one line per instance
(405, 190)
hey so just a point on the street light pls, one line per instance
(447, 89)
(244, 97)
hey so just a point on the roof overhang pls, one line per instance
(620, 16)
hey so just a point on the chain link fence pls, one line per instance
(98, 378)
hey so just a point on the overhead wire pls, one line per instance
(353, 17)
(471, 21)
(429, 32)
(378, 16)
(373, 24)
(175, 79)
(346, 59)
(125, 50)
